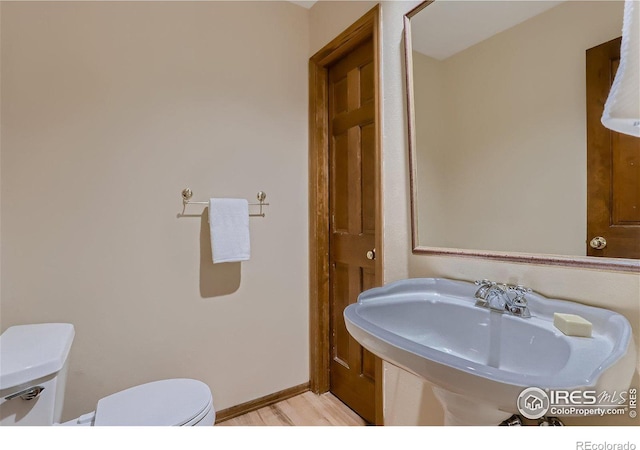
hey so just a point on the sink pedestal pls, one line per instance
(464, 411)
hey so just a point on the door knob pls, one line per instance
(371, 254)
(598, 243)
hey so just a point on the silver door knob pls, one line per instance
(371, 254)
(598, 243)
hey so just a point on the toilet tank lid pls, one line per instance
(30, 352)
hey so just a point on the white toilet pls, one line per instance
(33, 372)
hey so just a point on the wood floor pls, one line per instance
(307, 409)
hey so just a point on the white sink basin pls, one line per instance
(479, 361)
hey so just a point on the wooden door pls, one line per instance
(352, 224)
(613, 166)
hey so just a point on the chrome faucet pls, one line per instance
(499, 297)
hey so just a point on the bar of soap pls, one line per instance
(572, 325)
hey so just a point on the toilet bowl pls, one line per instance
(33, 370)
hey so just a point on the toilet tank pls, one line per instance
(33, 372)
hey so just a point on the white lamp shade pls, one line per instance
(622, 108)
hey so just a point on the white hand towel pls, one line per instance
(229, 225)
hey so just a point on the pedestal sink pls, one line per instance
(478, 360)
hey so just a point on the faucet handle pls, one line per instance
(520, 302)
(520, 289)
(483, 291)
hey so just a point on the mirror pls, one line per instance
(497, 127)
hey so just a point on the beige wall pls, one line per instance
(432, 150)
(512, 135)
(109, 110)
(328, 18)
(407, 401)
(100, 132)
(395, 161)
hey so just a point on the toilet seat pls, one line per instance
(173, 402)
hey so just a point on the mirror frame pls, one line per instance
(584, 262)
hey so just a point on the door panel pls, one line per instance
(352, 207)
(368, 179)
(626, 180)
(340, 292)
(613, 165)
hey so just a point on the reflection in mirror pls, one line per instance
(498, 127)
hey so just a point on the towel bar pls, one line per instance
(188, 193)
